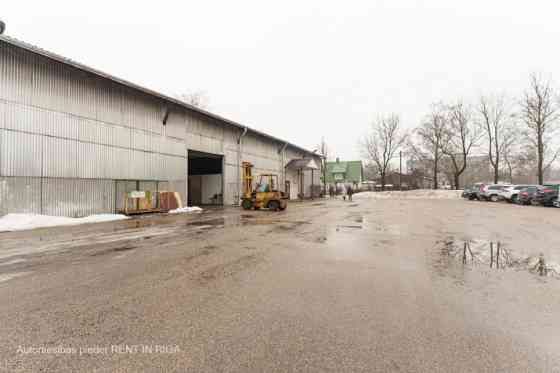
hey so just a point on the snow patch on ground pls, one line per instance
(410, 194)
(186, 209)
(20, 222)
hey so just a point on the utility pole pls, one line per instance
(324, 175)
(400, 171)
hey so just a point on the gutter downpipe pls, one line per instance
(239, 165)
(282, 150)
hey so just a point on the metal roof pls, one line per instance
(353, 170)
(339, 168)
(67, 61)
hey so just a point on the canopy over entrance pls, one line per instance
(302, 164)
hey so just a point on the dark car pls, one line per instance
(527, 196)
(547, 195)
(470, 191)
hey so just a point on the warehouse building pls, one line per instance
(74, 140)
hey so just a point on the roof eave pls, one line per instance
(58, 58)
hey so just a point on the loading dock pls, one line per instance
(205, 179)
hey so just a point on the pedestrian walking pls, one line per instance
(349, 192)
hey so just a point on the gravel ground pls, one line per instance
(326, 286)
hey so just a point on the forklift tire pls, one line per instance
(274, 205)
(247, 204)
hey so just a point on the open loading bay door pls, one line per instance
(205, 181)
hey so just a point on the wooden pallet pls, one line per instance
(144, 211)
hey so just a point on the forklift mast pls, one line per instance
(247, 179)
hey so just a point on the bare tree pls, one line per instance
(540, 112)
(511, 154)
(460, 135)
(495, 118)
(195, 98)
(382, 143)
(430, 135)
(370, 171)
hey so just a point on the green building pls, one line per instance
(339, 172)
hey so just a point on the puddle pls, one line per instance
(321, 239)
(124, 248)
(206, 226)
(493, 255)
(208, 249)
(232, 221)
(284, 228)
(14, 261)
(113, 250)
(286, 225)
(347, 227)
(207, 223)
(356, 217)
(8, 276)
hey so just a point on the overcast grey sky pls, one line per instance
(305, 69)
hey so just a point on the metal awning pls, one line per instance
(302, 164)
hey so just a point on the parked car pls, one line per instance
(547, 195)
(510, 193)
(491, 192)
(527, 195)
(470, 191)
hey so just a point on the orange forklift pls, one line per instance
(265, 195)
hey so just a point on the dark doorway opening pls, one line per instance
(205, 181)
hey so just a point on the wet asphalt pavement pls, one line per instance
(326, 286)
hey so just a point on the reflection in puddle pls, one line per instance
(207, 223)
(343, 227)
(491, 254)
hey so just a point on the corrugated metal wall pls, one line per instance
(66, 136)
(56, 196)
(20, 194)
(77, 197)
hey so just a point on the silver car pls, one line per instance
(511, 193)
(492, 192)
